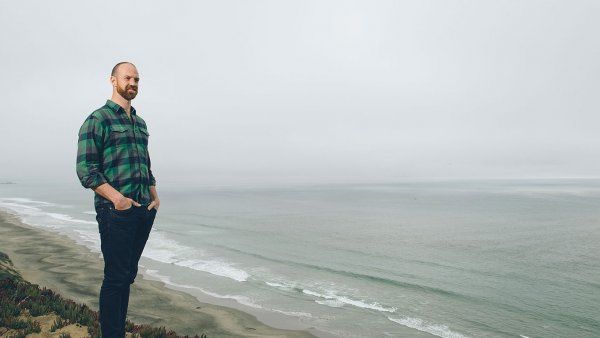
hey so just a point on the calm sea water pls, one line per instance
(451, 259)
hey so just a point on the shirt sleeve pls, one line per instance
(152, 179)
(89, 148)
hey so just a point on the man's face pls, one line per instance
(127, 80)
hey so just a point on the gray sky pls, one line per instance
(310, 91)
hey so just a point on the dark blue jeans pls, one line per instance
(123, 235)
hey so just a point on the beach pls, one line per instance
(75, 272)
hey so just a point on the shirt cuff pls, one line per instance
(95, 181)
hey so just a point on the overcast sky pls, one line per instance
(310, 91)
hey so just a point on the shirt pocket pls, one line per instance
(144, 136)
(119, 135)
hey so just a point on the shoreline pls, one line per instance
(74, 271)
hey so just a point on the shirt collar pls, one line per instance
(117, 108)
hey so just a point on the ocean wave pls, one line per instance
(26, 200)
(159, 247)
(334, 300)
(281, 285)
(421, 325)
(330, 302)
(294, 313)
(90, 238)
(165, 250)
(330, 297)
(68, 218)
(215, 267)
(357, 275)
(240, 299)
(29, 212)
(244, 300)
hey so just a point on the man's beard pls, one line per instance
(126, 94)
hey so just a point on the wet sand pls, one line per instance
(58, 263)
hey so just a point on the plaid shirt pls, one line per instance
(113, 148)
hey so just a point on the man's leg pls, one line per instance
(124, 305)
(141, 237)
(145, 219)
(117, 231)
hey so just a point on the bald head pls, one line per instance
(115, 69)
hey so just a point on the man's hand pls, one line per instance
(124, 203)
(154, 197)
(119, 201)
(154, 204)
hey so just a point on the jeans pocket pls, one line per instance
(122, 212)
(151, 214)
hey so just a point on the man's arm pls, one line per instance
(121, 202)
(88, 154)
(154, 196)
(88, 165)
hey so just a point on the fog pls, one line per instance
(269, 92)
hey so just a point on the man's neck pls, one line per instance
(126, 105)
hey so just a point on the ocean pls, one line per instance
(461, 258)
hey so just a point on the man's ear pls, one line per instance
(113, 80)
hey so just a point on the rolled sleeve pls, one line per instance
(152, 179)
(89, 145)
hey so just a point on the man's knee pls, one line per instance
(116, 282)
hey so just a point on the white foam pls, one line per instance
(167, 280)
(30, 212)
(238, 298)
(294, 313)
(33, 215)
(19, 208)
(244, 300)
(162, 249)
(331, 298)
(26, 200)
(335, 300)
(68, 218)
(330, 302)
(215, 267)
(90, 238)
(281, 285)
(165, 250)
(434, 329)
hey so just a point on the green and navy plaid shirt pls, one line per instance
(113, 149)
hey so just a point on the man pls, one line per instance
(113, 160)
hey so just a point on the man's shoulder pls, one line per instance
(101, 114)
(140, 121)
(97, 119)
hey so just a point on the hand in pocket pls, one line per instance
(125, 203)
